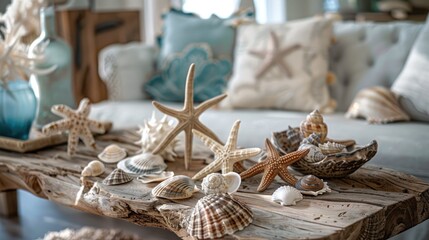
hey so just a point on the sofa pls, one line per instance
(357, 62)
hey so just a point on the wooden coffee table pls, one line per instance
(372, 203)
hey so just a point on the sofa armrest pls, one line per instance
(125, 68)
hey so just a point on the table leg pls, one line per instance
(8, 203)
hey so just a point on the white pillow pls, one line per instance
(305, 89)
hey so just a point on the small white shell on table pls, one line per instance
(286, 196)
(93, 169)
(112, 154)
(142, 164)
(149, 178)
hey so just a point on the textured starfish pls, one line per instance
(274, 165)
(77, 124)
(273, 55)
(225, 156)
(188, 118)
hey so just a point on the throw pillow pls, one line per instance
(181, 29)
(412, 84)
(209, 80)
(281, 66)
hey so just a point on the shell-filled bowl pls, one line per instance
(340, 164)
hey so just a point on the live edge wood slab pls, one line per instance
(372, 203)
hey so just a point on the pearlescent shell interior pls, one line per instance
(112, 154)
(233, 180)
(309, 183)
(117, 177)
(145, 163)
(331, 147)
(217, 215)
(177, 187)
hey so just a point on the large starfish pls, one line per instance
(274, 165)
(77, 124)
(225, 156)
(273, 55)
(188, 118)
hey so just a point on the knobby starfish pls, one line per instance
(273, 55)
(77, 124)
(274, 165)
(225, 156)
(188, 118)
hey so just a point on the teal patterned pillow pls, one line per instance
(209, 80)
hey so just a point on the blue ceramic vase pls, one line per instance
(17, 109)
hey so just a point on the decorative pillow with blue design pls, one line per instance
(209, 80)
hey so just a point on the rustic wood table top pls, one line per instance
(372, 203)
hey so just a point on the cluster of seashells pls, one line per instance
(327, 157)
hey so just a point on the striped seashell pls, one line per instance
(217, 215)
(177, 187)
(314, 124)
(112, 154)
(331, 147)
(377, 105)
(314, 155)
(93, 169)
(221, 183)
(286, 141)
(286, 196)
(313, 139)
(309, 183)
(145, 163)
(117, 177)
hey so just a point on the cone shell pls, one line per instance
(112, 154)
(314, 124)
(331, 147)
(217, 215)
(286, 141)
(117, 177)
(286, 196)
(93, 169)
(145, 163)
(377, 105)
(177, 187)
(309, 183)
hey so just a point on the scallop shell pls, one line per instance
(314, 139)
(149, 178)
(117, 177)
(177, 187)
(377, 105)
(331, 147)
(339, 164)
(221, 183)
(314, 155)
(314, 124)
(309, 183)
(112, 154)
(153, 132)
(217, 215)
(286, 196)
(93, 169)
(142, 164)
(286, 141)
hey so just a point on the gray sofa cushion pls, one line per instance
(368, 54)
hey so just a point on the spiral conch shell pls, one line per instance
(93, 169)
(286, 196)
(221, 183)
(312, 185)
(314, 124)
(153, 132)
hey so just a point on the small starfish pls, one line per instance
(274, 165)
(273, 55)
(225, 156)
(188, 118)
(77, 123)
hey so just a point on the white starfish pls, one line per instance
(225, 156)
(77, 124)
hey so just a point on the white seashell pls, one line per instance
(117, 177)
(217, 215)
(221, 183)
(93, 169)
(112, 154)
(314, 155)
(233, 180)
(287, 196)
(142, 164)
(149, 178)
(331, 147)
(153, 132)
(177, 187)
